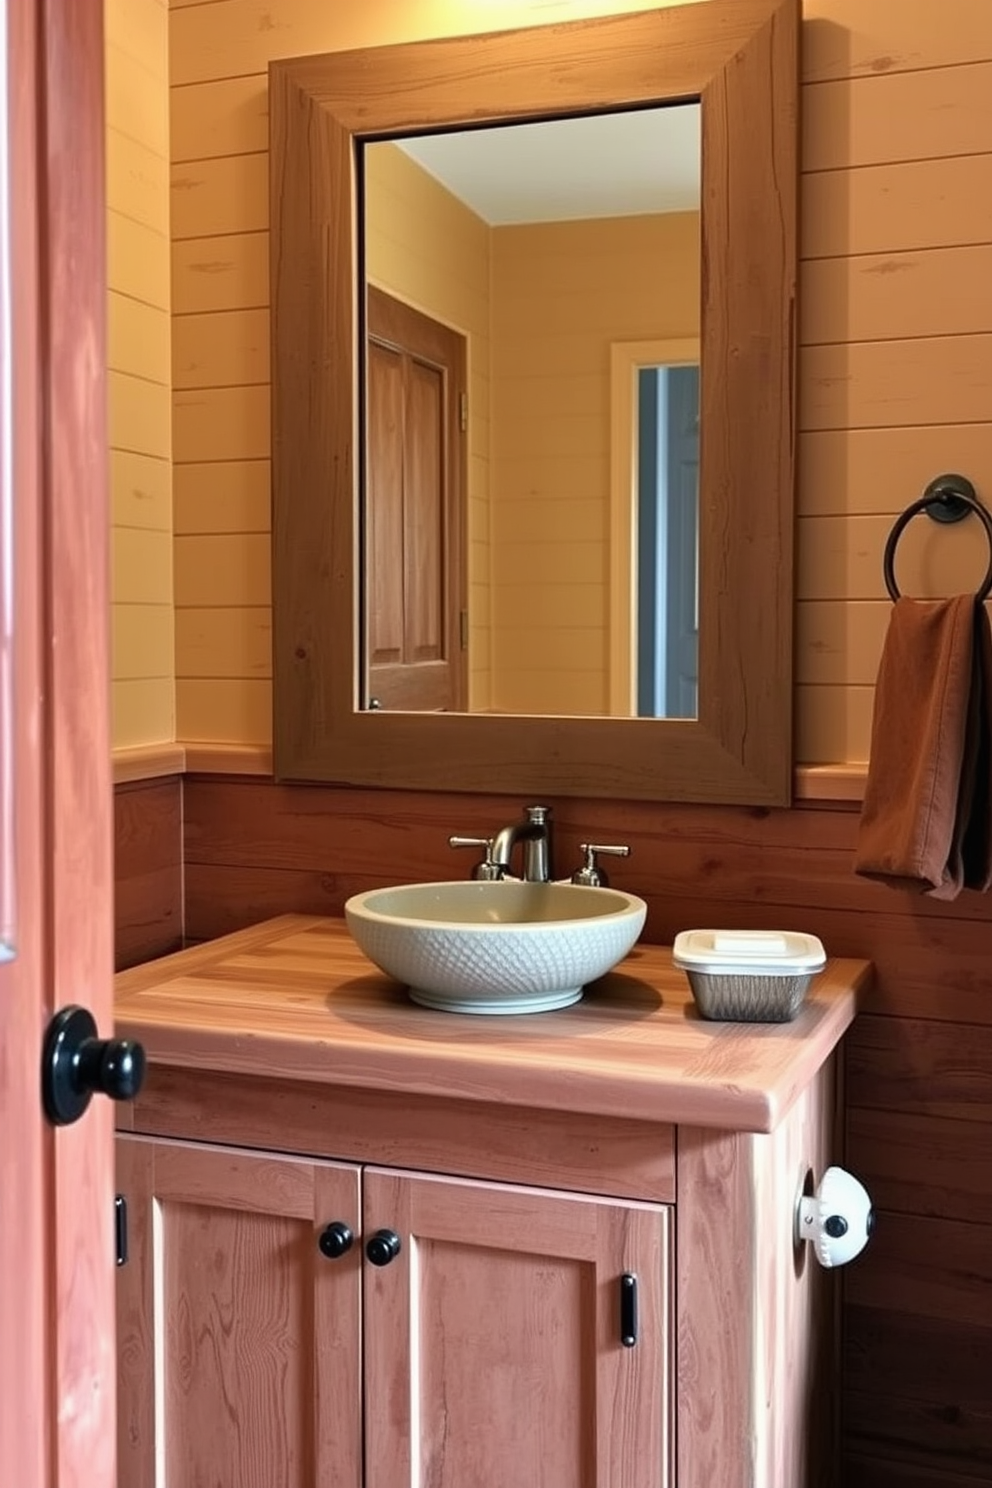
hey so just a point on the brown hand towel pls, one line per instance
(925, 822)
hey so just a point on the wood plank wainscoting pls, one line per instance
(918, 1304)
(148, 869)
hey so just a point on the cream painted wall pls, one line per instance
(895, 332)
(563, 294)
(139, 393)
(428, 249)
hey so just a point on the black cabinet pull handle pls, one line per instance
(335, 1239)
(628, 1309)
(384, 1246)
(120, 1228)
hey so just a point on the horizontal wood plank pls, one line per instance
(932, 1068)
(221, 423)
(896, 1472)
(214, 570)
(841, 558)
(222, 496)
(902, 207)
(873, 471)
(896, 384)
(917, 1358)
(225, 349)
(229, 195)
(839, 642)
(225, 116)
(933, 1438)
(148, 884)
(231, 642)
(916, 1165)
(626, 1158)
(935, 1268)
(894, 296)
(225, 273)
(942, 111)
(846, 38)
(916, 1401)
(208, 709)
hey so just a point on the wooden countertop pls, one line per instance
(295, 998)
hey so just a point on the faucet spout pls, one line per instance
(535, 833)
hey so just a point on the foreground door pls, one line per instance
(494, 1338)
(56, 1194)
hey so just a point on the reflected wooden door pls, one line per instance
(56, 1188)
(415, 590)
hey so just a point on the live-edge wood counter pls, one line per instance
(294, 998)
(287, 1074)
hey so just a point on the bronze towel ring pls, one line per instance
(947, 498)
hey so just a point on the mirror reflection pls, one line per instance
(531, 417)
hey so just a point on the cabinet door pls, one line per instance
(493, 1339)
(238, 1339)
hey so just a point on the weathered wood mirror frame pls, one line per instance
(740, 58)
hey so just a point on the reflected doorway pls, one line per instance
(667, 548)
(654, 528)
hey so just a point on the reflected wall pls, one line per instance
(540, 304)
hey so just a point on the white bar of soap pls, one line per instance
(749, 943)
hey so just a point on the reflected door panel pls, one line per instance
(546, 242)
(414, 574)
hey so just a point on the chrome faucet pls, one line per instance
(534, 831)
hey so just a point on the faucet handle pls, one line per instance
(487, 869)
(590, 873)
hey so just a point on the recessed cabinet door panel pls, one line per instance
(493, 1349)
(426, 535)
(238, 1338)
(384, 516)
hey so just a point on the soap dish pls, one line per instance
(748, 976)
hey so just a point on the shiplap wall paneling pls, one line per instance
(895, 314)
(896, 350)
(148, 870)
(138, 340)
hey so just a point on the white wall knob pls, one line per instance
(837, 1219)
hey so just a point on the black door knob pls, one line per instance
(336, 1239)
(76, 1065)
(384, 1246)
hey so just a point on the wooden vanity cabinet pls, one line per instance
(526, 1164)
(487, 1351)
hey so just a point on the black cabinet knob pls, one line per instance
(335, 1240)
(384, 1246)
(77, 1065)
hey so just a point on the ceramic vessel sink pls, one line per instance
(495, 947)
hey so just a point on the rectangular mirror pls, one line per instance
(530, 532)
(508, 635)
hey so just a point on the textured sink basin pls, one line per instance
(477, 947)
